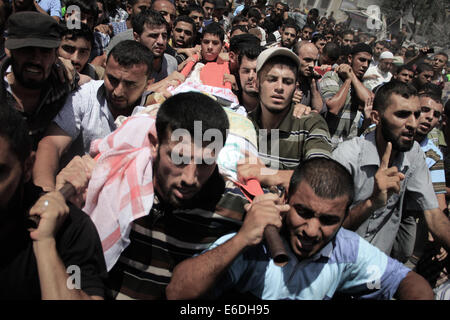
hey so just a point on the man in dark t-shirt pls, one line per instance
(60, 259)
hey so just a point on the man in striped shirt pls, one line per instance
(344, 94)
(284, 141)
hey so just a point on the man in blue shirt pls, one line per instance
(324, 258)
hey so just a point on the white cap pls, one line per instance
(386, 55)
(274, 52)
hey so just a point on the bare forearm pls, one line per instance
(316, 98)
(414, 287)
(46, 166)
(52, 274)
(194, 277)
(358, 214)
(361, 91)
(336, 103)
(439, 226)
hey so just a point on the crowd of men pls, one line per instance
(351, 140)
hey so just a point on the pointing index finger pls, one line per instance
(387, 154)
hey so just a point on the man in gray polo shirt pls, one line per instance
(385, 164)
(90, 112)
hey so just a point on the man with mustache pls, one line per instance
(325, 259)
(386, 164)
(344, 94)
(90, 112)
(34, 75)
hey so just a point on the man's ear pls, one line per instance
(136, 36)
(375, 117)
(153, 145)
(350, 59)
(28, 166)
(129, 9)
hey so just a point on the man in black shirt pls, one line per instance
(62, 258)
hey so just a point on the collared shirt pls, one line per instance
(360, 157)
(347, 264)
(52, 99)
(167, 236)
(52, 7)
(86, 113)
(294, 141)
(169, 65)
(345, 124)
(435, 162)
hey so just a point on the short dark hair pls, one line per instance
(193, 7)
(404, 67)
(326, 177)
(241, 41)
(251, 53)
(180, 111)
(290, 24)
(216, 29)
(384, 93)
(422, 67)
(129, 52)
(432, 91)
(14, 129)
(83, 32)
(239, 27)
(209, 1)
(348, 31)
(332, 50)
(310, 26)
(441, 53)
(239, 18)
(317, 37)
(186, 19)
(148, 17)
(314, 12)
(254, 13)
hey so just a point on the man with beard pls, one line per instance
(192, 205)
(182, 7)
(90, 112)
(275, 20)
(35, 81)
(325, 259)
(424, 74)
(289, 35)
(61, 259)
(284, 141)
(378, 49)
(380, 74)
(345, 95)
(387, 163)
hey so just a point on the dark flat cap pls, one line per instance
(32, 29)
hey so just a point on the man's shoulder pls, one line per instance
(346, 246)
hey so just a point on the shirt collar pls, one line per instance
(369, 153)
(285, 124)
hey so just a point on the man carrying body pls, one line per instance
(320, 192)
(90, 112)
(41, 263)
(183, 36)
(386, 163)
(344, 94)
(308, 54)
(283, 140)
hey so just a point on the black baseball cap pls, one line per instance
(32, 29)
